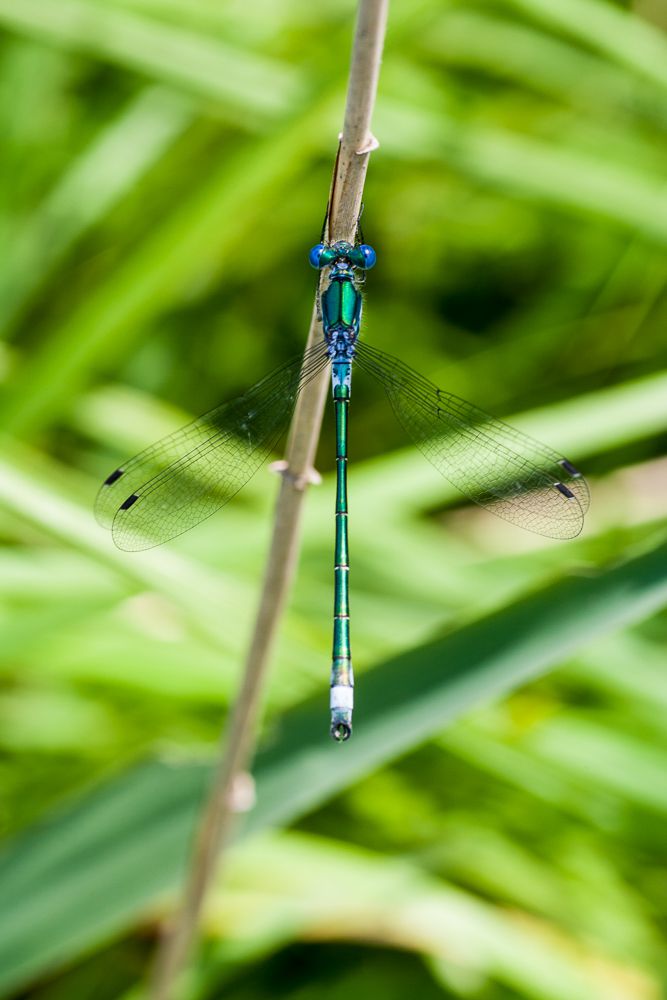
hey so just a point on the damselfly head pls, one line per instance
(362, 256)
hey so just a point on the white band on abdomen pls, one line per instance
(342, 697)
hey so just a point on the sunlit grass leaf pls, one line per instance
(619, 34)
(557, 174)
(158, 271)
(110, 166)
(247, 85)
(288, 886)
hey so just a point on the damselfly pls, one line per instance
(186, 477)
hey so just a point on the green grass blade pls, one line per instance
(112, 164)
(248, 87)
(542, 63)
(620, 35)
(556, 174)
(204, 228)
(277, 881)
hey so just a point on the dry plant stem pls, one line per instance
(217, 821)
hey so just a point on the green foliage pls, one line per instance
(165, 172)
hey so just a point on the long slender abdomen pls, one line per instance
(342, 681)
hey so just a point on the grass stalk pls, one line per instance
(238, 741)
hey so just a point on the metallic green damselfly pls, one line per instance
(186, 477)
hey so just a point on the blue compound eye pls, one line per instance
(315, 255)
(363, 256)
(369, 255)
(322, 256)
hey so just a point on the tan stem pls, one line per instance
(238, 741)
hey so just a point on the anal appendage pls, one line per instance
(342, 703)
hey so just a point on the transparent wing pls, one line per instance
(183, 479)
(490, 462)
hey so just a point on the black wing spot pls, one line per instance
(126, 504)
(562, 489)
(113, 477)
(569, 468)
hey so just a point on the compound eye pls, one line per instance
(364, 256)
(315, 256)
(369, 255)
(322, 256)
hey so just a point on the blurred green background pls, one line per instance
(490, 832)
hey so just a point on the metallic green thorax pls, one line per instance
(341, 304)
